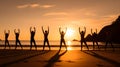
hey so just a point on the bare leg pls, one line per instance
(106, 45)
(5, 44)
(81, 45)
(93, 45)
(112, 46)
(16, 45)
(65, 45)
(44, 45)
(20, 44)
(86, 45)
(97, 45)
(8, 44)
(30, 45)
(35, 45)
(60, 45)
(48, 44)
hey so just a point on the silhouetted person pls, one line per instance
(82, 33)
(108, 39)
(46, 32)
(32, 40)
(62, 40)
(94, 38)
(17, 38)
(6, 38)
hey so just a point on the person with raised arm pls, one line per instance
(32, 40)
(62, 40)
(82, 34)
(6, 38)
(94, 38)
(17, 33)
(46, 33)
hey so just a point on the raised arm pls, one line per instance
(30, 29)
(91, 31)
(42, 29)
(85, 29)
(34, 29)
(48, 29)
(79, 29)
(14, 30)
(60, 30)
(18, 30)
(4, 31)
(8, 31)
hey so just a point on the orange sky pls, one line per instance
(72, 14)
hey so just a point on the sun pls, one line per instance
(69, 33)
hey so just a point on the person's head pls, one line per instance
(32, 31)
(94, 33)
(81, 31)
(45, 31)
(62, 32)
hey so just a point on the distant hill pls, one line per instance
(115, 30)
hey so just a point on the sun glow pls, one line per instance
(69, 34)
(69, 45)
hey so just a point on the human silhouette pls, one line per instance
(17, 38)
(94, 38)
(62, 40)
(82, 33)
(108, 39)
(6, 38)
(32, 40)
(46, 32)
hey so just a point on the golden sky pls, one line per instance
(72, 14)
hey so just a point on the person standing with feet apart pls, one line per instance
(82, 33)
(6, 38)
(46, 32)
(94, 38)
(32, 40)
(108, 39)
(17, 38)
(62, 40)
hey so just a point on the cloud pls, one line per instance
(47, 6)
(23, 6)
(56, 13)
(35, 5)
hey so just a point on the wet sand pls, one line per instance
(55, 58)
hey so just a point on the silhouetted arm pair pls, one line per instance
(6, 32)
(43, 30)
(31, 29)
(92, 31)
(61, 31)
(84, 30)
(16, 32)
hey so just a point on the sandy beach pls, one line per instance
(55, 58)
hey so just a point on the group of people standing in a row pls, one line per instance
(32, 40)
(62, 40)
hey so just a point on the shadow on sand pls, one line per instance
(18, 55)
(96, 55)
(55, 59)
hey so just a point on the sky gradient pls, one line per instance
(72, 14)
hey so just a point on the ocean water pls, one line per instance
(72, 45)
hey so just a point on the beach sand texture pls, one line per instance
(55, 58)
